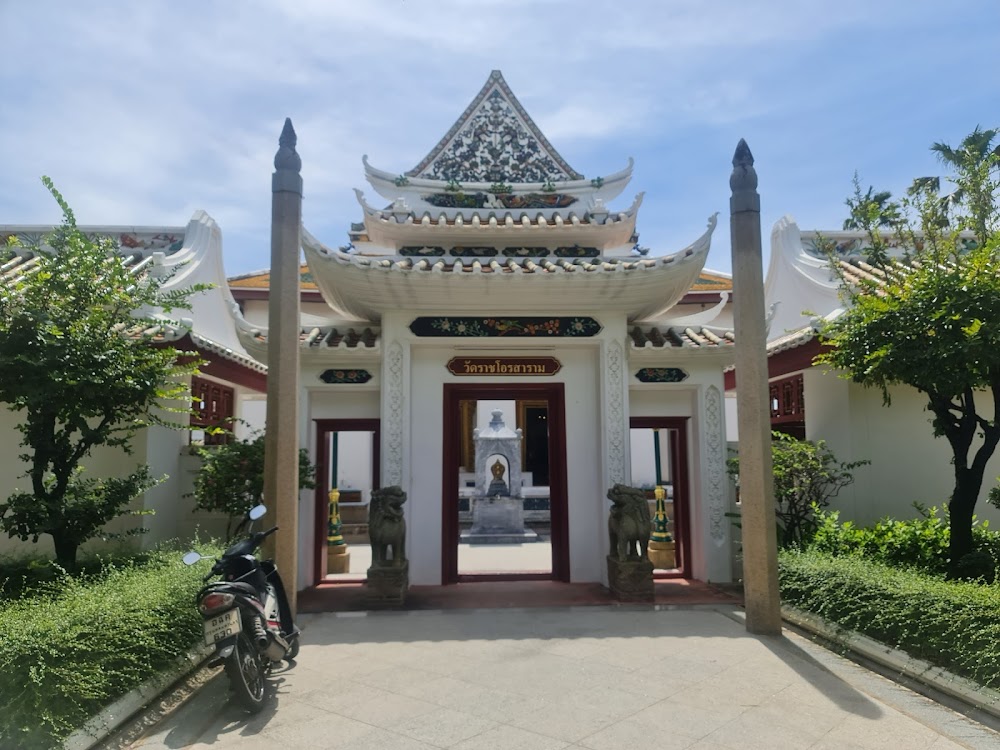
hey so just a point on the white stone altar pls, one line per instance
(497, 507)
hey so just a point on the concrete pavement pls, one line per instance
(582, 677)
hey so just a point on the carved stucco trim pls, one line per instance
(715, 462)
(615, 426)
(393, 418)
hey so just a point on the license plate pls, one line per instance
(222, 626)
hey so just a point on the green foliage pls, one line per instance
(77, 362)
(952, 624)
(77, 645)
(806, 476)
(929, 322)
(922, 543)
(231, 478)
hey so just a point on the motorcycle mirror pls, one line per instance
(257, 512)
(191, 558)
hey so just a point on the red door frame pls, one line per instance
(324, 427)
(682, 497)
(555, 396)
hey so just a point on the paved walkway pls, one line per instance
(587, 677)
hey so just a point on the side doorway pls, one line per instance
(660, 459)
(347, 459)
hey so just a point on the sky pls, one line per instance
(143, 112)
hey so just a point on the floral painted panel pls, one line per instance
(661, 375)
(512, 327)
(489, 200)
(339, 377)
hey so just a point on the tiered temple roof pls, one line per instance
(494, 219)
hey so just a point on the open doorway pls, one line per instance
(503, 517)
(347, 460)
(659, 460)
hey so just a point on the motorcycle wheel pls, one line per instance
(246, 674)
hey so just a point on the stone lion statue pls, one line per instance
(386, 527)
(629, 523)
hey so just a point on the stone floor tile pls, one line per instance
(689, 720)
(635, 736)
(387, 709)
(757, 729)
(563, 720)
(510, 738)
(442, 727)
(487, 703)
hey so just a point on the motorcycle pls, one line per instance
(247, 617)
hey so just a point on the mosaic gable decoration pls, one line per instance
(520, 327)
(494, 141)
(661, 375)
(340, 377)
(503, 366)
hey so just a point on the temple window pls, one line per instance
(213, 406)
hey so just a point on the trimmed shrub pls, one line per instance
(952, 624)
(921, 542)
(77, 644)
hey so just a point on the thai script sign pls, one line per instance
(504, 366)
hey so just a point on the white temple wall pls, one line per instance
(343, 402)
(908, 463)
(103, 462)
(586, 490)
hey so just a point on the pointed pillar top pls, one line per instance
(744, 176)
(287, 162)
(743, 180)
(287, 157)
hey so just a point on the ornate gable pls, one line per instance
(495, 140)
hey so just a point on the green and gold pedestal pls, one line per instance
(661, 543)
(661, 554)
(338, 558)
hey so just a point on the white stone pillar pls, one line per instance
(394, 405)
(760, 561)
(281, 442)
(617, 461)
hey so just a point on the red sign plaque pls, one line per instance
(503, 366)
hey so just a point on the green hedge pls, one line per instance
(955, 625)
(68, 651)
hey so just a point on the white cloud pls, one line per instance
(142, 112)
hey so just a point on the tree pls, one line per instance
(931, 319)
(231, 477)
(77, 362)
(806, 476)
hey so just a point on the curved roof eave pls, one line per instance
(363, 287)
